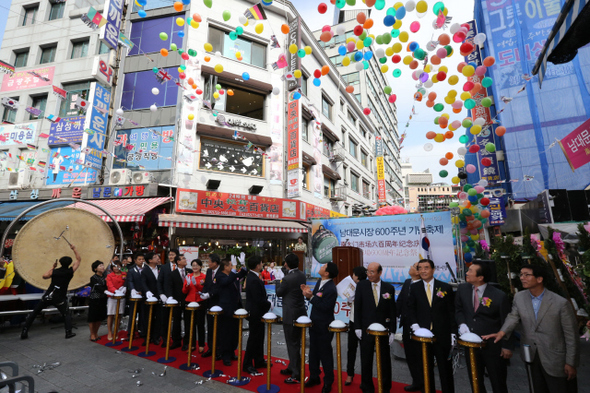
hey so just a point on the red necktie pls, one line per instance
(475, 299)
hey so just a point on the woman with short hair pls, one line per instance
(97, 300)
(193, 285)
(115, 280)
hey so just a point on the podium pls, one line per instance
(301, 256)
(346, 258)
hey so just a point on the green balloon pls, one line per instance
(463, 139)
(436, 119)
(180, 51)
(470, 103)
(367, 42)
(419, 54)
(490, 147)
(397, 73)
(467, 187)
(365, 65)
(449, 49)
(391, 11)
(472, 192)
(218, 87)
(467, 123)
(351, 2)
(438, 7)
(453, 204)
(192, 52)
(470, 243)
(173, 47)
(340, 3)
(380, 4)
(239, 30)
(387, 90)
(386, 38)
(182, 67)
(226, 15)
(467, 212)
(395, 33)
(487, 82)
(301, 53)
(155, 69)
(363, 35)
(443, 173)
(233, 35)
(208, 3)
(439, 107)
(383, 60)
(163, 36)
(461, 217)
(379, 40)
(486, 102)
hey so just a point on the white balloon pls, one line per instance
(421, 15)
(410, 6)
(119, 112)
(340, 30)
(462, 151)
(243, 20)
(428, 146)
(218, 54)
(428, 84)
(380, 53)
(455, 28)
(479, 39)
(155, 91)
(153, 108)
(359, 66)
(483, 183)
(431, 46)
(276, 90)
(480, 121)
(434, 26)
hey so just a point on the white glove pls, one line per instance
(187, 280)
(391, 337)
(134, 293)
(359, 333)
(204, 296)
(415, 327)
(163, 298)
(453, 339)
(123, 290)
(463, 328)
(234, 261)
(242, 258)
(108, 293)
(149, 294)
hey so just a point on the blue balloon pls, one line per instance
(400, 12)
(389, 20)
(296, 95)
(413, 46)
(342, 50)
(358, 56)
(468, 257)
(317, 81)
(142, 2)
(141, 13)
(472, 199)
(245, 76)
(368, 55)
(180, 33)
(186, 2)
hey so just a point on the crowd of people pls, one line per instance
(548, 326)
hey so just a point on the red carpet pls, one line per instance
(205, 365)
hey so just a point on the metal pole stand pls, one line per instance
(303, 322)
(115, 343)
(192, 307)
(338, 327)
(167, 359)
(268, 318)
(472, 341)
(215, 311)
(378, 330)
(425, 339)
(131, 348)
(147, 352)
(240, 314)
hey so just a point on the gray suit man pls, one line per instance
(293, 307)
(549, 327)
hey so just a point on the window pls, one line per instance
(304, 78)
(326, 108)
(358, 98)
(304, 129)
(366, 190)
(230, 158)
(354, 181)
(57, 10)
(30, 14)
(75, 90)
(103, 48)
(352, 79)
(327, 146)
(252, 52)
(364, 160)
(137, 90)
(352, 147)
(9, 115)
(305, 177)
(336, 40)
(337, 60)
(48, 54)
(328, 187)
(342, 105)
(39, 102)
(142, 35)
(351, 118)
(21, 58)
(79, 49)
(243, 102)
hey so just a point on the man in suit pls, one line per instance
(257, 305)
(323, 299)
(149, 283)
(229, 300)
(134, 287)
(211, 297)
(550, 328)
(431, 305)
(411, 348)
(374, 302)
(164, 276)
(174, 287)
(289, 289)
(482, 309)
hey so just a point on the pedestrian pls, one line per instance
(57, 292)
(359, 273)
(211, 295)
(135, 289)
(265, 274)
(149, 283)
(115, 282)
(193, 285)
(549, 330)
(300, 246)
(97, 300)
(323, 299)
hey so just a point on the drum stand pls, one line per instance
(339, 330)
(471, 346)
(214, 373)
(379, 334)
(424, 341)
(240, 314)
(302, 325)
(131, 347)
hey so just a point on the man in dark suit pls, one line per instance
(374, 302)
(323, 299)
(257, 305)
(482, 309)
(293, 307)
(164, 276)
(149, 282)
(431, 305)
(134, 287)
(211, 297)
(411, 347)
(229, 300)
(174, 287)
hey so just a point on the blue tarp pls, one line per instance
(10, 210)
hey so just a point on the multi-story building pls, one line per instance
(430, 198)
(414, 180)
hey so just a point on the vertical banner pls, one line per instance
(275, 152)
(113, 10)
(497, 211)
(185, 145)
(293, 154)
(576, 146)
(382, 195)
(294, 61)
(318, 178)
(96, 122)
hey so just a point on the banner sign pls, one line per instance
(238, 205)
(294, 61)
(110, 32)
(381, 188)
(65, 131)
(293, 182)
(318, 174)
(576, 146)
(18, 134)
(22, 80)
(96, 120)
(392, 241)
(66, 167)
(276, 151)
(313, 211)
(102, 72)
(497, 211)
(293, 135)
(145, 148)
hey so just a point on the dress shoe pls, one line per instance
(163, 345)
(234, 357)
(69, 334)
(347, 382)
(412, 388)
(326, 388)
(286, 371)
(206, 354)
(250, 370)
(217, 357)
(312, 382)
(291, 381)
(227, 363)
(175, 345)
(24, 334)
(261, 365)
(185, 347)
(157, 341)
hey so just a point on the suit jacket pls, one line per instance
(210, 287)
(176, 283)
(134, 280)
(229, 291)
(365, 310)
(290, 290)
(553, 335)
(149, 282)
(487, 319)
(164, 286)
(256, 302)
(323, 302)
(441, 315)
(401, 305)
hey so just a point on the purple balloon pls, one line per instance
(423, 77)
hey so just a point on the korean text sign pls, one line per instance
(96, 119)
(497, 211)
(22, 80)
(65, 165)
(144, 148)
(576, 146)
(70, 130)
(293, 135)
(113, 13)
(23, 133)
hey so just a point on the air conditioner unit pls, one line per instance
(19, 179)
(142, 177)
(120, 176)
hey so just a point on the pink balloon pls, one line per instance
(481, 70)
(463, 231)
(479, 189)
(456, 124)
(350, 46)
(458, 104)
(326, 28)
(470, 168)
(441, 52)
(463, 195)
(473, 231)
(415, 26)
(392, 98)
(464, 238)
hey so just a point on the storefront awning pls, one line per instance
(329, 133)
(308, 159)
(10, 210)
(332, 174)
(229, 223)
(226, 133)
(124, 210)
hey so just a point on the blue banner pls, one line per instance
(97, 117)
(145, 148)
(497, 211)
(70, 130)
(65, 165)
(113, 13)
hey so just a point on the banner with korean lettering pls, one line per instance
(113, 13)
(497, 211)
(381, 188)
(293, 153)
(67, 130)
(576, 146)
(66, 166)
(18, 134)
(144, 148)
(30, 79)
(318, 174)
(96, 121)
(276, 151)
(392, 241)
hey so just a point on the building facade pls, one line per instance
(433, 197)
(413, 180)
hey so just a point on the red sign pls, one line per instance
(317, 212)
(293, 135)
(22, 80)
(238, 205)
(576, 146)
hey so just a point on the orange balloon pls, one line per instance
(191, 81)
(476, 89)
(467, 206)
(449, 134)
(370, 3)
(485, 213)
(164, 52)
(444, 39)
(449, 156)
(460, 66)
(500, 131)
(207, 59)
(414, 64)
(361, 17)
(178, 6)
(368, 23)
(489, 61)
(443, 161)
(457, 110)
(325, 70)
(435, 60)
(197, 18)
(285, 29)
(350, 89)
(432, 96)
(430, 135)
(194, 86)
(429, 103)
(230, 92)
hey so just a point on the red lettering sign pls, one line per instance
(293, 135)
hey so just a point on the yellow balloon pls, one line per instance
(427, 69)
(443, 69)
(247, 22)
(208, 47)
(474, 209)
(297, 73)
(194, 24)
(180, 70)
(259, 28)
(389, 51)
(449, 100)
(397, 5)
(468, 70)
(397, 24)
(475, 129)
(307, 50)
(218, 68)
(408, 59)
(345, 61)
(452, 93)
(372, 36)
(456, 180)
(403, 36)
(445, 115)
(451, 128)
(439, 138)
(397, 48)
(453, 80)
(445, 11)
(293, 49)
(384, 68)
(360, 45)
(191, 116)
(422, 7)
(216, 95)
(465, 95)
(350, 39)
(434, 79)
(459, 163)
(180, 21)
(475, 237)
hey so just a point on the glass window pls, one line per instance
(366, 190)
(326, 108)
(352, 79)
(30, 15)
(327, 147)
(137, 90)
(21, 58)
(352, 147)
(9, 115)
(337, 60)
(103, 48)
(142, 34)
(57, 10)
(304, 79)
(342, 105)
(243, 102)
(79, 49)
(354, 182)
(328, 187)
(358, 98)
(304, 129)
(39, 102)
(48, 54)
(230, 158)
(74, 90)
(364, 160)
(252, 52)
(351, 117)
(305, 177)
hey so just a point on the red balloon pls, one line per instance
(392, 98)
(474, 149)
(441, 76)
(486, 161)
(199, 91)
(358, 30)
(184, 56)
(367, 111)
(322, 8)
(396, 59)
(484, 201)
(181, 75)
(468, 86)
(430, 135)
(317, 73)
(466, 48)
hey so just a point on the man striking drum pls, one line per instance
(56, 294)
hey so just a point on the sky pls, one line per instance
(4, 7)
(404, 87)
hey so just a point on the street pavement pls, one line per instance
(89, 367)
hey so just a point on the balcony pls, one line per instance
(340, 194)
(338, 154)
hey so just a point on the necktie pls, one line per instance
(375, 295)
(475, 299)
(429, 294)
(182, 274)
(173, 267)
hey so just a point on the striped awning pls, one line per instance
(564, 40)
(124, 210)
(229, 223)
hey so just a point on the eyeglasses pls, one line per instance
(521, 275)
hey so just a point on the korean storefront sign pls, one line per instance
(380, 169)
(22, 80)
(293, 153)
(145, 148)
(96, 121)
(110, 32)
(66, 166)
(65, 131)
(18, 134)
(497, 211)
(576, 146)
